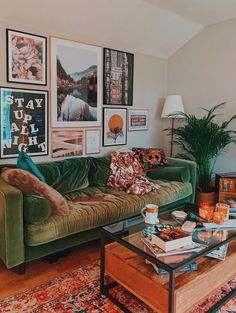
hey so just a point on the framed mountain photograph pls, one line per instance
(118, 74)
(76, 84)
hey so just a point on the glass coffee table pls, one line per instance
(124, 259)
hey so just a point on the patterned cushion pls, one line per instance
(151, 157)
(30, 184)
(126, 173)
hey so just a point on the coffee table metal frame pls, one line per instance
(104, 288)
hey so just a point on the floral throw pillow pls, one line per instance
(151, 158)
(126, 173)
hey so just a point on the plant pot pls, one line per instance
(205, 197)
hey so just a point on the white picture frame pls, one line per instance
(92, 140)
(138, 120)
(76, 84)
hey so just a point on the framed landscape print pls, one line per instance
(67, 142)
(93, 140)
(26, 58)
(24, 122)
(114, 126)
(118, 77)
(76, 76)
(137, 120)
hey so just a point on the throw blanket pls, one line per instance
(126, 173)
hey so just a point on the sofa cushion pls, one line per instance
(25, 162)
(177, 173)
(30, 184)
(151, 157)
(68, 175)
(36, 209)
(99, 171)
(107, 206)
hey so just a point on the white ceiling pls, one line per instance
(154, 27)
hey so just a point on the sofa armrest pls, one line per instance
(11, 225)
(176, 173)
(192, 169)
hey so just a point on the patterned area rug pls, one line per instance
(78, 292)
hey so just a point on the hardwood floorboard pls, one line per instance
(41, 271)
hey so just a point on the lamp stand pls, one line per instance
(171, 141)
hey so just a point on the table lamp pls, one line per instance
(173, 105)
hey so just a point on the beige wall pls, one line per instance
(204, 73)
(149, 89)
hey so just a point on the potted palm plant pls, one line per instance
(202, 140)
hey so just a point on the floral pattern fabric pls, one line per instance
(151, 158)
(126, 173)
(78, 292)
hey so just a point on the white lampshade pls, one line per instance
(172, 106)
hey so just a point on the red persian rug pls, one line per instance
(78, 292)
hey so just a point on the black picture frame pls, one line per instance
(122, 93)
(24, 115)
(114, 127)
(31, 66)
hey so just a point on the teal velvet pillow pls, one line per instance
(175, 173)
(99, 171)
(24, 162)
(68, 175)
(36, 209)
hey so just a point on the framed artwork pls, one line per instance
(26, 58)
(114, 126)
(118, 77)
(66, 142)
(137, 120)
(76, 76)
(93, 140)
(24, 123)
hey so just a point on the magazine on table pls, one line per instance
(161, 271)
(219, 253)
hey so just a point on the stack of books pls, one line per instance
(173, 250)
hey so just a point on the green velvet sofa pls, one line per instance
(82, 181)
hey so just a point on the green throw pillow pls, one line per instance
(99, 171)
(36, 209)
(25, 162)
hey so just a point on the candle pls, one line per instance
(223, 208)
(206, 211)
(218, 217)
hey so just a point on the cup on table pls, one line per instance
(150, 214)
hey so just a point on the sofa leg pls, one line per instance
(53, 258)
(20, 269)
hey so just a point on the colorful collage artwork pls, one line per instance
(77, 95)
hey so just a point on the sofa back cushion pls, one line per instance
(99, 171)
(68, 175)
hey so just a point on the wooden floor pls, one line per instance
(40, 271)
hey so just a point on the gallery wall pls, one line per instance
(204, 73)
(149, 90)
